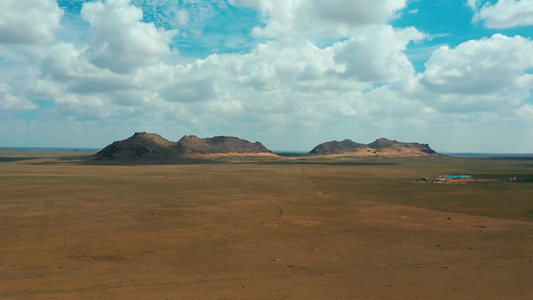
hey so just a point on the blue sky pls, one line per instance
(456, 74)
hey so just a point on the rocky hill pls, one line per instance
(335, 147)
(191, 144)
(380, 147)
(150, 147)
(141, 145)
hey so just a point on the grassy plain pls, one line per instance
(350, 229)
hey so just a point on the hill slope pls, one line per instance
(380, 147)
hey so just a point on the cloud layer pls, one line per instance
(318, 70)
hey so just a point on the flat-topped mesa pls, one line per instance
(380, 147)
(218, 145)
(140, 145)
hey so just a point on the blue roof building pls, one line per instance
(458, 176)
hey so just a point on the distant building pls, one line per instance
(458, 176)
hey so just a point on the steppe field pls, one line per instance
(295, 229)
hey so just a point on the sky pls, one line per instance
(456, 74)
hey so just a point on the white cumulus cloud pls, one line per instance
(473, 4)
(484, 66)
(292, 18)
(28, 21)
(376, 54)
(504, 14)
(12, 103)
(120, 41)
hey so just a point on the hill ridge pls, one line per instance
(142, 146)
(380, 146)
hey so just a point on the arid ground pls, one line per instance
(303, 229)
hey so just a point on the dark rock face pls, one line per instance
(152, 147)
(346, 146)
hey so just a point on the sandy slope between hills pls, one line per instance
(215, 232)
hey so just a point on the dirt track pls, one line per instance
(214, 232)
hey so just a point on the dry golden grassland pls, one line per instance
(354, 229)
